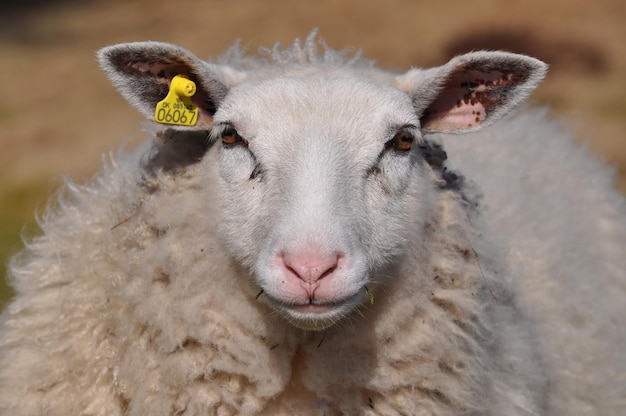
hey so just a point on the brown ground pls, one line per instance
(58, 113)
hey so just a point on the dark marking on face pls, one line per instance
(433, 154)
(374, 170)
(257, 172)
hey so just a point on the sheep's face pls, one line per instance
(323, 184)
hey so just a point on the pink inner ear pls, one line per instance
(467, 100)
(160, 73)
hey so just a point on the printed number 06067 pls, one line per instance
(174, 116)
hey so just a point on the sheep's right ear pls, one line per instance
(143, 71)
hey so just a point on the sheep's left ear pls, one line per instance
(472, 90)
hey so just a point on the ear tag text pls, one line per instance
(177, 107)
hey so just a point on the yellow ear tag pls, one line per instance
(177, 107)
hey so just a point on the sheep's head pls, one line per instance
(322, 177)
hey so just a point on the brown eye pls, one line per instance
(230, 137)
(401, 142)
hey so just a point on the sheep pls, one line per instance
(302, 244)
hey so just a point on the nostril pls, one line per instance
(327, 272)
(310, 266)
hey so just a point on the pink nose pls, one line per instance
(310, 267)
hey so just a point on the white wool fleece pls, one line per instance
(306, 248)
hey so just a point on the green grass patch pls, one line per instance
(18, 203)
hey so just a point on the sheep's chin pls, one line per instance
(316, 317)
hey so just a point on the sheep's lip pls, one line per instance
(319, 307)
(316, 315)
(316, 304)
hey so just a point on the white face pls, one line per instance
(322, 179)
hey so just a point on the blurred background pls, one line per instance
(58, 113)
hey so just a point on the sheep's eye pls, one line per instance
(402, 141)
(230, 137)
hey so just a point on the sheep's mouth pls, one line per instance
(315, 306)
(316, 314)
